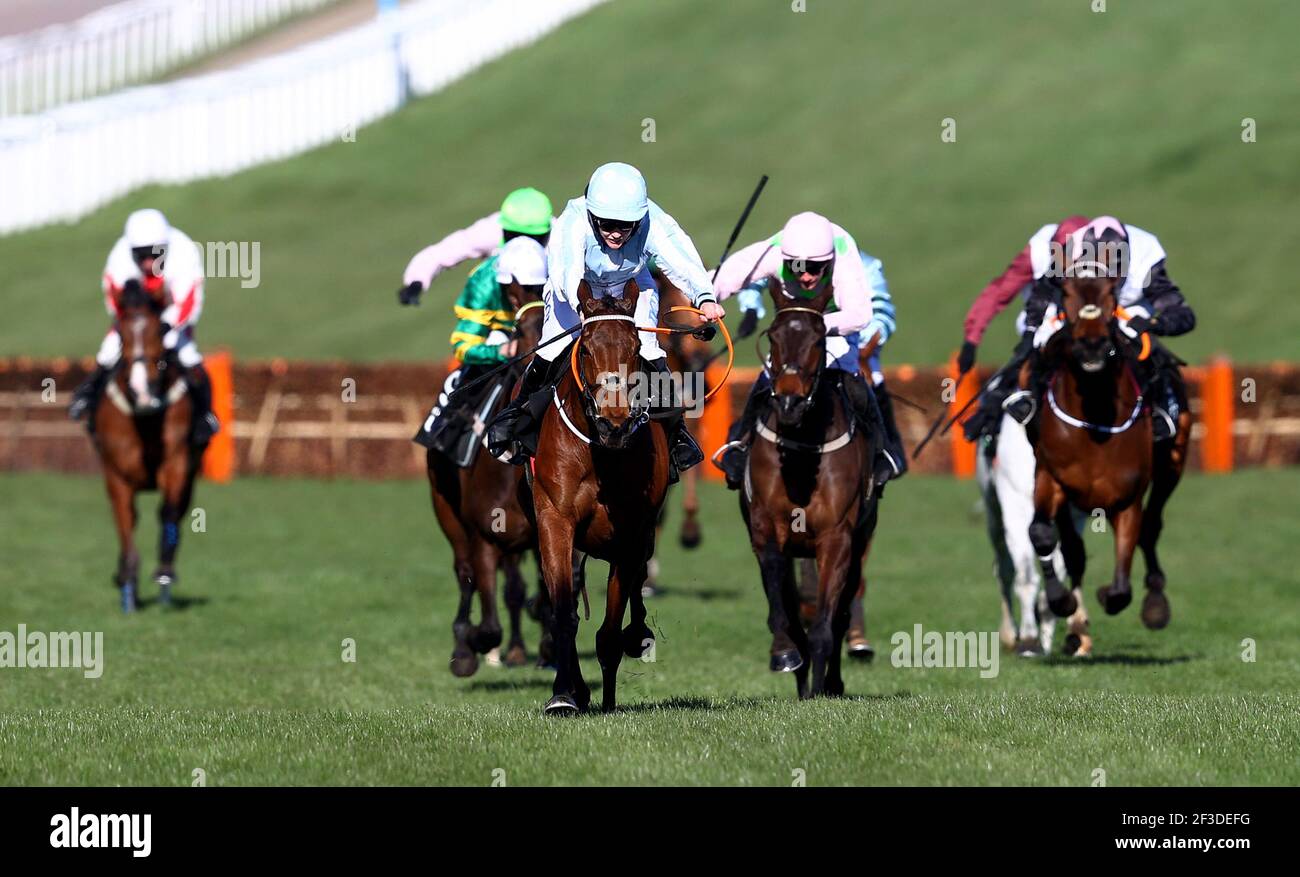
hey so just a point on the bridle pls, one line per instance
(129, 402)
(821, 360)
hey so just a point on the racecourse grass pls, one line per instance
(246, 680)
(1136, 111)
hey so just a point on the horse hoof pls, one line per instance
(785, 662)
(1072, 643)
(1155, 610)
(129, 603)
(1114, 601)
(516, 656)
(861, 650)
(648, 590)
(560, 705)
(690, 535)
(834, 688)
(638, 643)
(493, 658)
(165, 594)
(464, 666)
(1029, 648)
(1085, 646)
(1064, 606)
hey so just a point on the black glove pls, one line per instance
(747, 325)
(966, 358)
(1140, 324)
(410, 294)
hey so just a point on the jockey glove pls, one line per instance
(1141, 324)
(966, 358)
(410, 294)
(747, 325)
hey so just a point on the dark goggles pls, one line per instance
(815, 267)
(612, 225)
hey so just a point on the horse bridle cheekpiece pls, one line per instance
(817, 375)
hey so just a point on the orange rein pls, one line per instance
(660, 330)
(1146, 339)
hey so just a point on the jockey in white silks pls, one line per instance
(803, 258)
(167, 264)
(607, 237)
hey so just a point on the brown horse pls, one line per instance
(687, 354)
(480, 512)
(143, 436)
(808, 494)
(1094, 449)
(601, 474)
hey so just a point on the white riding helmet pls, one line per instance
(617, 191)
(522, 259)
(147, 228)
(809, 236)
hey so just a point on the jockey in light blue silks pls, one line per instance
(606, 237)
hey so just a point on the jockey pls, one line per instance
(805, 257)
(168, 265)
(524, 212)
(1153, 302)
(607, 237)
(481, 338)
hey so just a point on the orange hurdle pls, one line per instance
(963, 452)
(716, 420)
(1218, 411)
(219, 459)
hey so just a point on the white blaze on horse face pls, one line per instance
(1089, 312)
(139, 381)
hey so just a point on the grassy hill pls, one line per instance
(1136, 111)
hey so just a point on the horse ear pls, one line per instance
(631, 293)
(585, 297)
(514, 293)
(823, 298)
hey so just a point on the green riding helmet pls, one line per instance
(526, 211)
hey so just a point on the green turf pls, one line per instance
(1136, 111)
(247, 682)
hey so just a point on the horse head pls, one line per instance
(1089, 306)
(526, 299)
(140, 326)
(605, 361)
(798, 352)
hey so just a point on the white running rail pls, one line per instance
(62, 164)
(126, 44)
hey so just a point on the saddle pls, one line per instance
(456, 428)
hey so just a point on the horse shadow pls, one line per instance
(178, 604)
(1122, 658)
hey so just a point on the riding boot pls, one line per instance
(205, 421)
(1163, 402)
(505, 430)
(84, 397)
(1022, 405)
(867, 412)
(987, 419)
(732, 457)
(683, 451)
(893, 439)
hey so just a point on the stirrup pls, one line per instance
(733, 445)
(1163, 427)
(1014, 402)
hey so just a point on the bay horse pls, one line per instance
(488, 525)
(808, 493)
(143, 438)
(1094, 451)
(687, 353)
(599, 481)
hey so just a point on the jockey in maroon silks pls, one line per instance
(1154, 303)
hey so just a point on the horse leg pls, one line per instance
(121, 496)
(486, 635)
(176, 484)
(638, 638)
(569, 694)
(516, 654)
(833, 553)
(690, 534)
(773, 566)
(1167, 470)
(1048, 498)
(624, 576)
(1073, 559)
(464, 661)
(1126, 523)
(794, 627)
(1003, 566)
(545, 617)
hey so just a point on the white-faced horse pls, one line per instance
(1007, 485)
